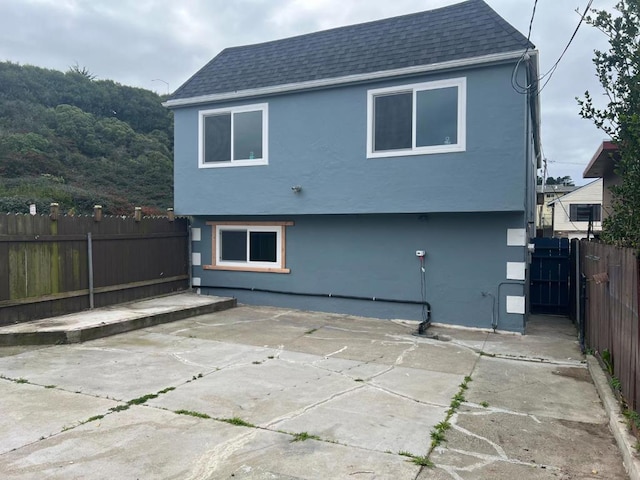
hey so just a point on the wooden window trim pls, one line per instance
(249, 268)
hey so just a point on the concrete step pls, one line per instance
(106, 321)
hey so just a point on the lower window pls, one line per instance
(255, 246)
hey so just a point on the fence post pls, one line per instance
(137, 214)
(170, 214)
(54, 211)
(97, 213)
(90, 265)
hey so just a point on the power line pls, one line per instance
(552, 70)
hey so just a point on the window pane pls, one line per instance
(217, 138)
(581, 212)
(233, 245)
(437, 117)
(247, 135)
(393, 121)
(262, 246)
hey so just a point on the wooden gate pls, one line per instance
(549, 287)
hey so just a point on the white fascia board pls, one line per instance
(329, 82)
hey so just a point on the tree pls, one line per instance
(618, 70)
(566, 180)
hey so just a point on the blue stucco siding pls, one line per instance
(317, 139)
(374, 256)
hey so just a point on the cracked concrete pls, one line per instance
(366, 388)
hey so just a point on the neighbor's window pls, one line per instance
(256, 246)
(417, 119)
(584, 212)
(233, 136)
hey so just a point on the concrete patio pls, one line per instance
(267, 393)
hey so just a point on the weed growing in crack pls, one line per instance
(21, 380)
(166, 390)
(237, 421)
(192, 413)
(271, 357)
(256, 362)
(92, 419)
(359, 380)
(142, 399)
(50, 386)
(484, 404)
(423, 461)
(309, 332)
(302, 436)
(119, 408)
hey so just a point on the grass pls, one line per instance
(302, 436)
(237, 421)
(191, 413)
(142, 399)
(119, 408)
(484, 404)
(94, 418)
(423, 461)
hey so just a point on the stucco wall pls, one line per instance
(374, 256)
(317, 140)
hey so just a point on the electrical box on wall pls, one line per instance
(420, 253)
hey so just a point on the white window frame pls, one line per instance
(279, 266)
(202, 114)
(460, 146)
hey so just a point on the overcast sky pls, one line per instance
(152, 43)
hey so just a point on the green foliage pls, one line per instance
(77, 141)
(618, 70)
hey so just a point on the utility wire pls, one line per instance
(552, 70)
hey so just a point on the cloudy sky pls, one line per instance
(159, 44)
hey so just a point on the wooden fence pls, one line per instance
(611, 313)
(53, 265)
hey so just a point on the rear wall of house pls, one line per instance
(317, 140)
(469, 265)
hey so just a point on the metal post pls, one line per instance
(90, 265)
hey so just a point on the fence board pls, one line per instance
(611, 311)
(45, 262)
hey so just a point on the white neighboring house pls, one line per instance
(572, 212)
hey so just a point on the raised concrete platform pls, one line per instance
(106, 321)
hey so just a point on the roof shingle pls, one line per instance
(461, 31)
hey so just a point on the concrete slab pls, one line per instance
(102, 322)
(369, 418)
(478, 439)
(549, 390)
(366, 387)
(28, 416)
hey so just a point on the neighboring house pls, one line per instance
(317, 167)
(603, 165)
(544, 217)
(573, 212)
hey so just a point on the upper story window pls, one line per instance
(234, 136)
(417, 119)
(584, 212)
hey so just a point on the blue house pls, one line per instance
(385, 169)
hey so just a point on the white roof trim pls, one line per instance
(326, 82)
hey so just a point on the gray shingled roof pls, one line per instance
(464, 30)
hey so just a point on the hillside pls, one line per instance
(72, 139)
